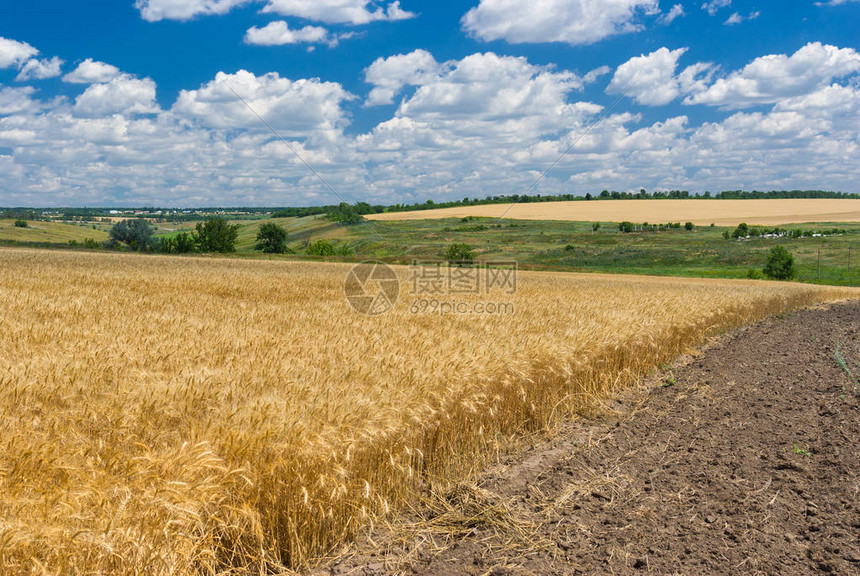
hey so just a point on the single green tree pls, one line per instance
(780, 264)
(626, 227)
(688, 226)
(272, 239)
(216, 235)
(459, 253)
(134, 233)
(20, 223)
(742, 231)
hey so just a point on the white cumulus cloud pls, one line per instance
(90, 71)
(338, 11)
(651, 80)
(771, 78)
(574, 22)
(155, 10)
(35, 69)
(14, 53)
(296, 108)
(122, 95)
(278, 33)
(390, 75)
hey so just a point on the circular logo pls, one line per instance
(372, 288)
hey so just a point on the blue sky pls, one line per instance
(131, 103)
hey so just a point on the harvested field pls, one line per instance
(740, 460)
(701, 212)
(175, 415)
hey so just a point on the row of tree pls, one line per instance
(212, 235)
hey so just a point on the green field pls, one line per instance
(536, 245)
(38, 232)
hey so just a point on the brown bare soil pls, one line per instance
(743, 459)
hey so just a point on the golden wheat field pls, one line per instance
(774, 212)
(166, 415)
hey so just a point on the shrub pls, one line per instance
(688, 226)
(595, 226)
(753, 274)
(780, 264)
(182, 243)
(742, 231)
(272, 239)
(320, 248)
(216, 235)
(626, 227)
(20, 223)
(459, 253)
(87, 243)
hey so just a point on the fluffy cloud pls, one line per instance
(651, 79)
(296, 108)
(14, 53)
(390, 75)
(571, 21)
(122, 95)
(278, 33)
(17, 100)
(155, 10)
(35, 69)
(90, 72)
(338, 11)
(771, 78)
(480, 125)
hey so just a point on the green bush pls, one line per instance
(272, 239)
(87, 243)
(742, 231)
(182, 243)
(688, 226)
(320, 248)
(459, 253)
(780, 264)
(753, 274)
(20, 223)
(626, 227)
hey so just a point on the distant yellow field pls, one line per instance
(170, 416)
(701, 212)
